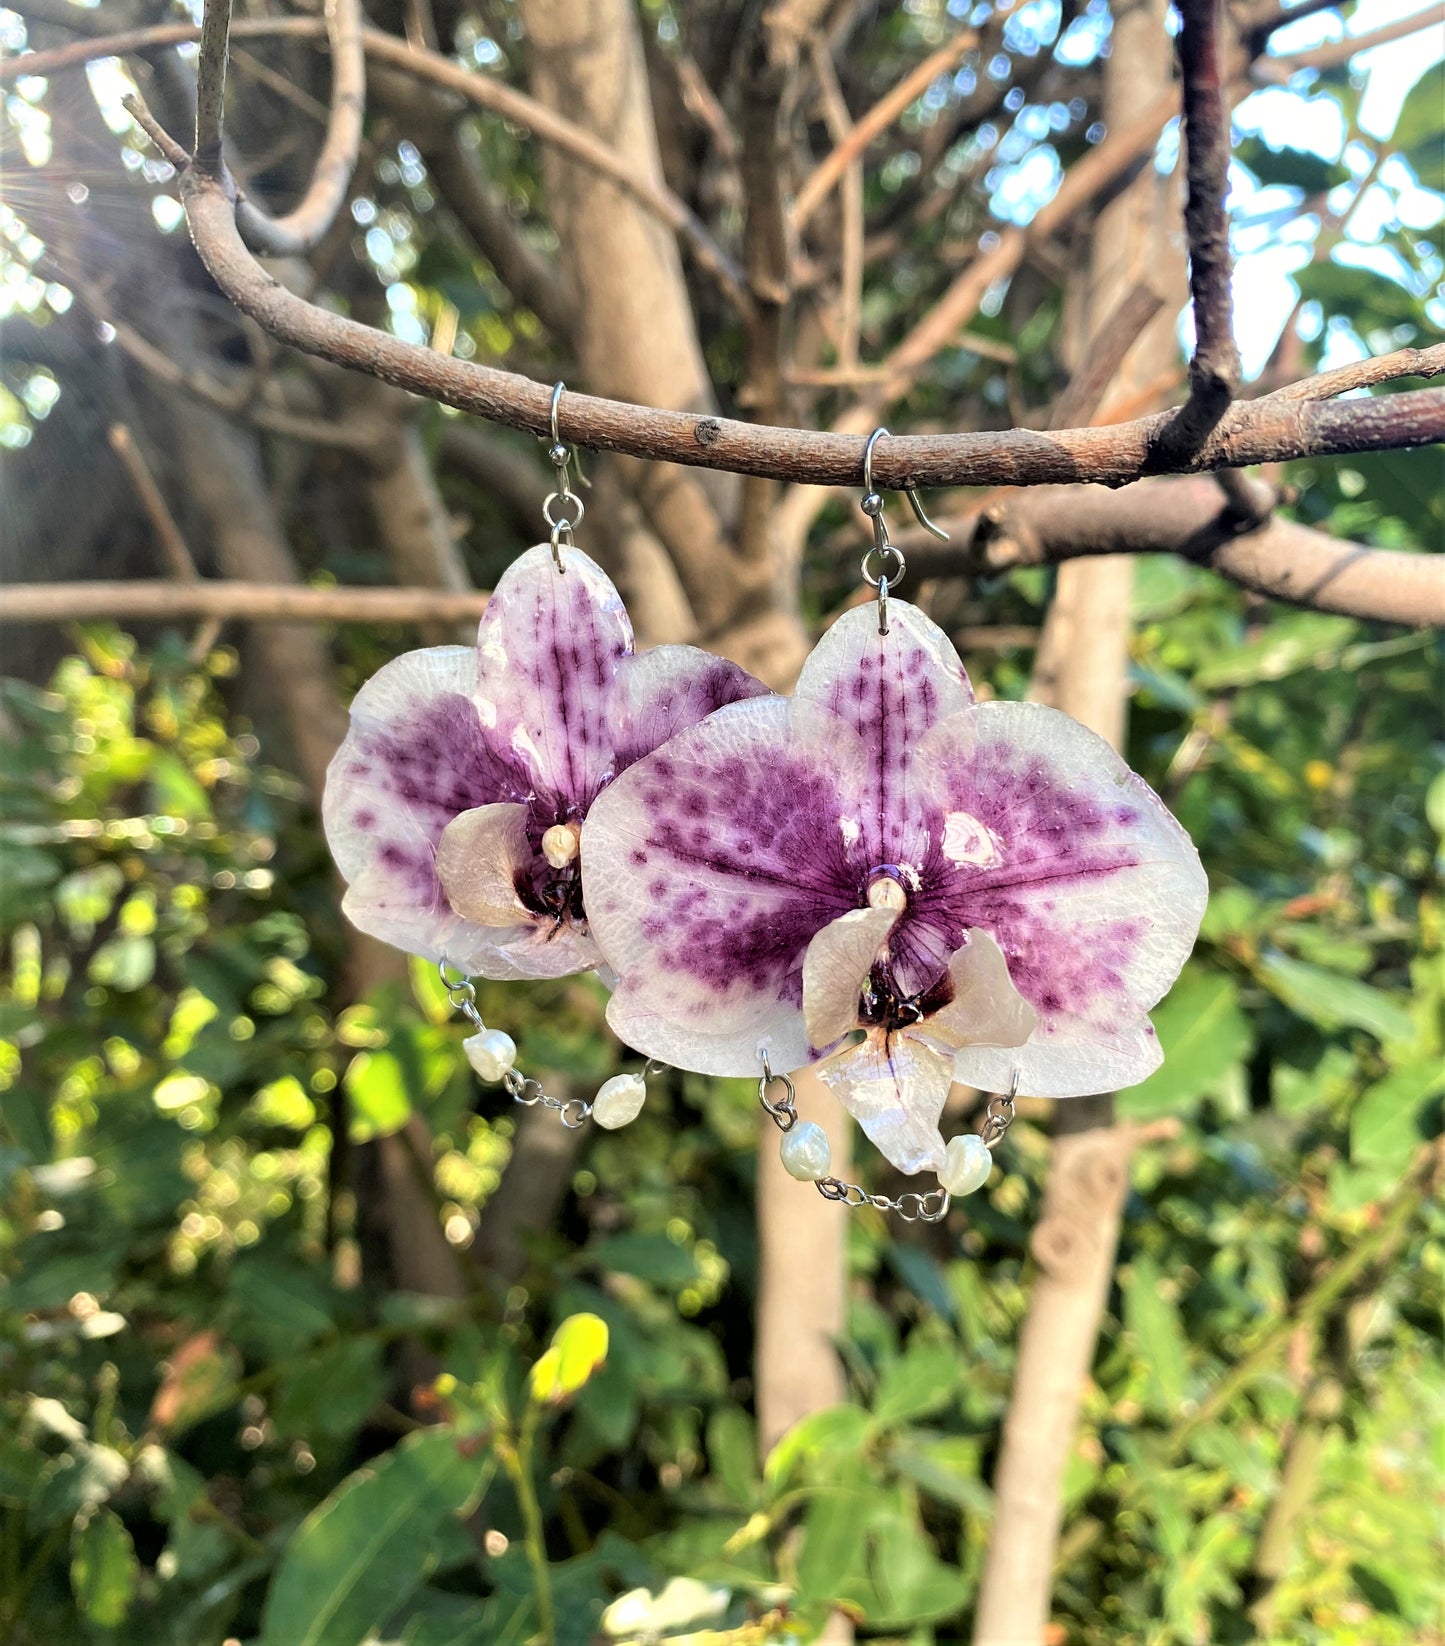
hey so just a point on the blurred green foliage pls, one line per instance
(212, 1421)
(219, 1416)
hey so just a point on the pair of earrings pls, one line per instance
(878, 874)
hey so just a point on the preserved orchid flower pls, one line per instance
(982, 888)
(454, 808)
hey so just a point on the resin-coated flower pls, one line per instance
(454, 807)
(981, 887)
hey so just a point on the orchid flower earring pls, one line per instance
(456, 805)
(912, 886)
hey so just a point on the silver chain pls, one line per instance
(462, 997)
(911, 1207)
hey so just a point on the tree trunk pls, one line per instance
(1083, 659)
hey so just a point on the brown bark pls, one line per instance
(638, 340)
(1083, 656)
(802, 1296)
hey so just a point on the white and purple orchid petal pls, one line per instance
(481, 856)
(776, 1034)
(548, 647)
(663, 691)
(1071, 1060)
(835, 969)
(985, 1008)
(710, 866)
(889, 690)
(539, 948)
(894, 1086)
(1092, 890)
(414, 757)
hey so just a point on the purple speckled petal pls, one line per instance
(835, 969)
(663, 691)
(479, 858)
(889, 690)
(710, 866)
(414, 757)
(895, 1087)
(777, 1033)
(1091, 888)
(548, 647)
(986, 1009)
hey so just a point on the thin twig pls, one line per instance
(1107, 349)
(303, 228)
(134, 105)
(172, 544)
(484, 90)
(1336, 52)
(876, 121)
(1214, 370)
(227, 599)
(850, 262)
(211, 86)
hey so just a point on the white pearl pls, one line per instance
(491, 1053)
(967, 1162)
(619, 1100)
(560, 843)
(806, 1152)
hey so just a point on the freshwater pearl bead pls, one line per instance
(806, 1152)
(966, 1164)
(491, 1053)
(619, 1100)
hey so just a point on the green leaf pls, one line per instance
(732, 1450)
(833, 1535)
(362, 1554)
(833, 1432)
(923, 1380)
(1384, 1128)
(1289, 167)
(579, 1346)
(1289, 644)
(1203, 1033)
(103, 1569)
(651, 1257)
(380, 1103)
(1333, 1002)
(1154, 1323)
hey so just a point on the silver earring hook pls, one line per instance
(563, 459)
(889, 571)
(910, 492)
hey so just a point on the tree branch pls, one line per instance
(876, 121)
(1336, 52)
(1214, 370)
(303, 228)
(145, 600)
(1250, 432)
(1187, 516)
(483, 90)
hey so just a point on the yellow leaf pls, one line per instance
(579, 1346)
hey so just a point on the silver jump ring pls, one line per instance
(563, 498)
(784, 1114)
(899, 565)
